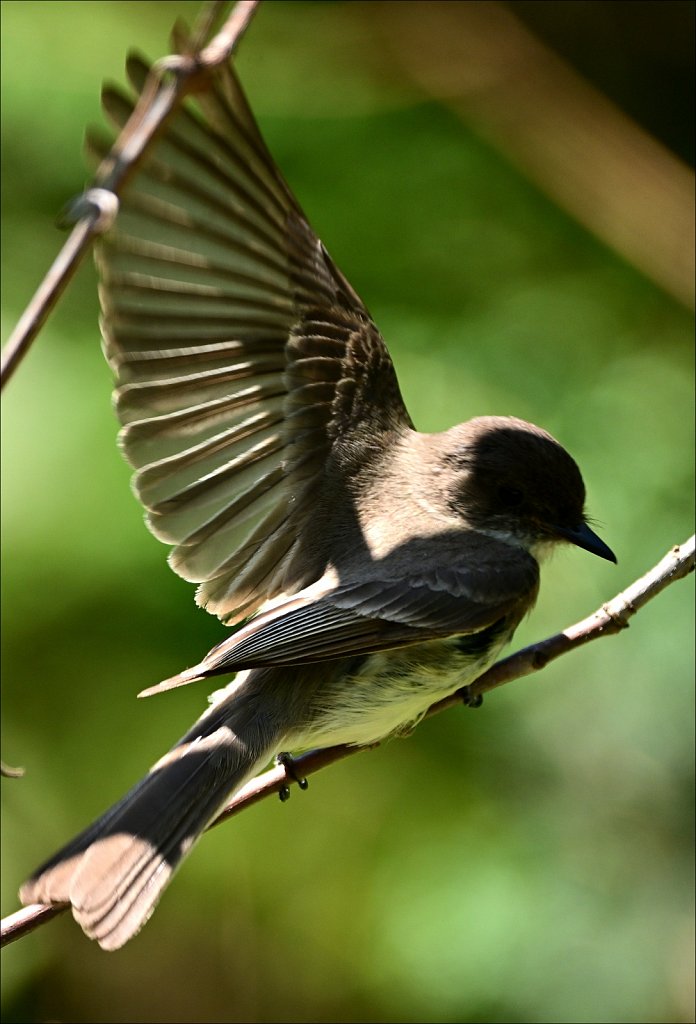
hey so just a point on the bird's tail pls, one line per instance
(114, 872)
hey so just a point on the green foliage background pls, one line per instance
(528, 862)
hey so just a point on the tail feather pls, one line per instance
(114, 872)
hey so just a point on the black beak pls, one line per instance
(583, 537)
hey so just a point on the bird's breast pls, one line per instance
(390, 691)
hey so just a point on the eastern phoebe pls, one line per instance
(375, 569)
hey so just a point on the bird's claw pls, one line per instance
(469, 699)
(288, 763)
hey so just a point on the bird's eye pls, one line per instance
(511, 497)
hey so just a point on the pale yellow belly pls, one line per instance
(391, 692)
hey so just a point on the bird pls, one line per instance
(366, 569)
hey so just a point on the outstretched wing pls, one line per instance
(240, 351)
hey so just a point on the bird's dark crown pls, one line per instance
(513, 476)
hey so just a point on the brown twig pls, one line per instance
(171, 79)
(14, 926)
(611, 618)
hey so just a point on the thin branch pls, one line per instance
(23, 921)
(611, 618)
(47, 294)
(171, 79)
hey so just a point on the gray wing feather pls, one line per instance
(240, 351)
(381, 613)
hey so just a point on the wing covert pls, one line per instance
(385, 609)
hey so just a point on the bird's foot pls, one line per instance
(288, 763)
(469, 699)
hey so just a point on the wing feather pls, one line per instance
(455, 594)
(240, 351)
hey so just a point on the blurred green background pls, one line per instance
(528, 862)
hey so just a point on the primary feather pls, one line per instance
(240, 352)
